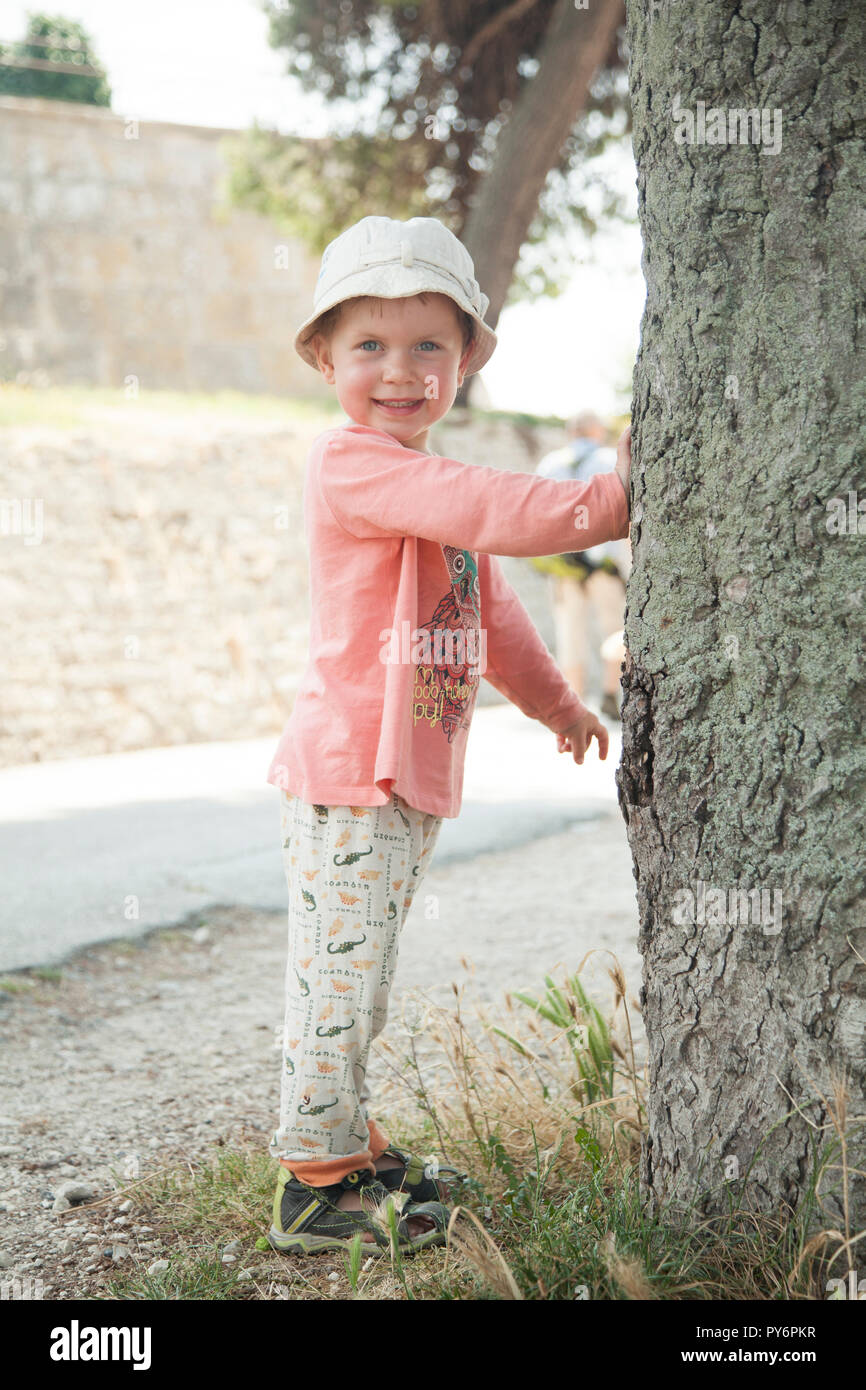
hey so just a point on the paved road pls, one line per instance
(99, 848)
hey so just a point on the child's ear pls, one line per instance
(322, 348)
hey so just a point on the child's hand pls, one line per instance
(623, 458)
(579, 736)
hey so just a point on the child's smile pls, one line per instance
(401, 407)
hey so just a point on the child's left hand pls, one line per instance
(578, 737)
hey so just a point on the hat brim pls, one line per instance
(395, 282)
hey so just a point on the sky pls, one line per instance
(208, 62)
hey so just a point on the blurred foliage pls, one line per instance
(64, 42)
(419, 94)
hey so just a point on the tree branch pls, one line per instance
(492, 27)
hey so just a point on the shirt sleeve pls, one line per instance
(519, 664)
(375, 487)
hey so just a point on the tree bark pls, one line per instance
(575, 46)
(744, 759)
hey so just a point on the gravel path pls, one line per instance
(143, 1055)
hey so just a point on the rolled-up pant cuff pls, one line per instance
(322, 1172)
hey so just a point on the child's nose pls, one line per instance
(397, 367)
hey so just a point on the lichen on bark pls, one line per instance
(744, 763)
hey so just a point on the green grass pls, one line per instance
(551, 1210)
(16, 984)
(23, 981)
(49, 973)
(67, 407)
(516, 417)
(70, 407)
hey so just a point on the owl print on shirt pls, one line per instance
(446, 680)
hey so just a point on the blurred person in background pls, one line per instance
(588, 586)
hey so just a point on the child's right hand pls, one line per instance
(576, 739)
(623, 458)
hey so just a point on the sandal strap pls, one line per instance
(313, 1212)
(322, 1216)
(407, 1159)
(412, 1177)
(436, 1211)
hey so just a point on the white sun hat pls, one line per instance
(382, 257)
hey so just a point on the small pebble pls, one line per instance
(121, 1252)
(74, 1191)
(126, 1206)
(201, 936)
(158, 1267)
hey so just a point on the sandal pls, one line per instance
(307, 1219)
(418, 1176)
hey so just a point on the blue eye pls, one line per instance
(367, 342)
(428, 344)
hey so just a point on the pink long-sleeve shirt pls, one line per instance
(409, 607)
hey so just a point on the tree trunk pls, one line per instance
(576, 44)
(744, 758)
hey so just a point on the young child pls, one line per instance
(409, 608)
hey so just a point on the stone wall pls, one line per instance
(162, 597)
(117, 267)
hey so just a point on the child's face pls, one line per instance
(388, 350)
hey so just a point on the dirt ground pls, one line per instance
(141, 1056)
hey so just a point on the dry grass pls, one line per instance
(551, 1209)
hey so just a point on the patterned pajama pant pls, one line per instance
(352, 872)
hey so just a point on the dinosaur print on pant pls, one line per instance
(336, 1003)
(344, 946)
(334, 1030)
(317, 1109)
(353, 857)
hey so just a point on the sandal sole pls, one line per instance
(313, 1245)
